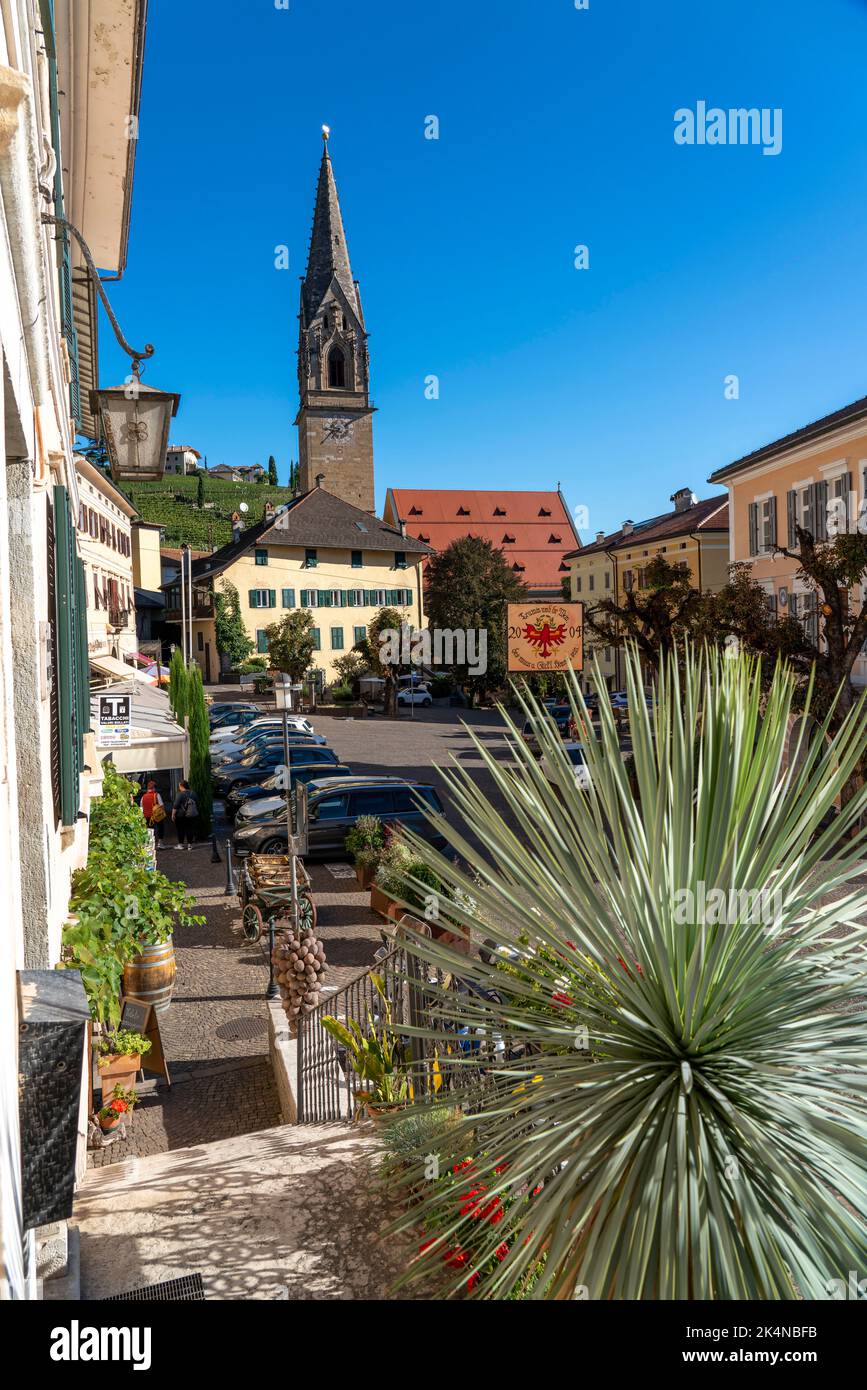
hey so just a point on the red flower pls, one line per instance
(456, 1257)
(501, 1167)
(426, 1245)
(467, 1163)
(502, 1251)
(558, 997)
(473, 1280)
(119, 1106)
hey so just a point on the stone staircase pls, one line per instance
(284, 1213)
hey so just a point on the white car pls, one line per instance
(575, 753)
(235, 733)
(420, 696)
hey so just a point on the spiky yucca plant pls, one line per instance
(703, 1136)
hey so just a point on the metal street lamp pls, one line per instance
(135, 427)
(135, 418)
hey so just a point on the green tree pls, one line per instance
(200, 491)
(200, 756)
(291, 643)
(371, 650)
(655, 617)
(469, 585)
(294, 476)
(272, 471)
(233, 642)
(179, 682)
(350, 668)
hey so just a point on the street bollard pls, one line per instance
(230, 877)
(273, 990)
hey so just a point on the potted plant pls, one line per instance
(391, 893)
(365, 842)
(122, 1102)
(120, 1055)
(378, 1058)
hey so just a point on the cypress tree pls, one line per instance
(179, 681)
(200, 756)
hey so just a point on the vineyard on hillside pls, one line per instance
(172, 503)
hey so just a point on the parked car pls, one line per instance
(234, 749)
(575, 753)
(238, 714)
(295, 722)
(275, 785)
(327, 809)
(420, 695)
(252, 769)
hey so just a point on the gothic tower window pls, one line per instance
(336, 368)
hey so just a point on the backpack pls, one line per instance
(190, 807)
(158, 813)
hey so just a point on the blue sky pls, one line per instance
(556, 129)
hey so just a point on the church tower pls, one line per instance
(335, 427)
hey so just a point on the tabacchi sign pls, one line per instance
(546, 636)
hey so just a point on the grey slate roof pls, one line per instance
(319, 520)
(851, 414)
(328, 255)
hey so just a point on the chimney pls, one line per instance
(628, 527)
(600, 536)
(403, 528)
(268, 513)
(320, 479)
(683, 499)
(237, 526)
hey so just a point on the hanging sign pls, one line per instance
(545, 636)
(115, 720)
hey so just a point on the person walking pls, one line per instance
(153, 808)
(185, 814)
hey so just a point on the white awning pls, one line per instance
(110, 666)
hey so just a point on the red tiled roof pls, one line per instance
(533, 529)
(710, 515)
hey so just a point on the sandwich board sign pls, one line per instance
(115, 718)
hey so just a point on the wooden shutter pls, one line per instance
(73, 683)
(261, 641)
(792, 516)
(772, 520)
(820, 511)
(754, 529)
(288, 598)
(253, 598)
(272, 598)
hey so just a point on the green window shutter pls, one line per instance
(261, 557)
(360, 634)
(337, 639)
(253, 598)
(324, 598)
(68, 659)
(261, 641)
(83, 665)
(272, 598)
(316, 642)
(357, 560)
(289, 598)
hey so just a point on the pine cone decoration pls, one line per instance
(299, 964)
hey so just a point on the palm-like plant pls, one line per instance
(687, 1119)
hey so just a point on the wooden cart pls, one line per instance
(265, 891)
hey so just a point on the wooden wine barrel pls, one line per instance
(150, 976)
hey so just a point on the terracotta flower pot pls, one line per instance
(380, 902)
(109, 1123)
(365, 873)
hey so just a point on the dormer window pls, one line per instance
(499, 511)
(508, 540)
(426, 539)
(554, 540)
(544, 511)
(519, 568)
(416, 511)
(463, 511)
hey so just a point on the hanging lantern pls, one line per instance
(135, 427)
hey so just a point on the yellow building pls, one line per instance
(105, 542)
(816, 478)
(318, 553)
(694, 534)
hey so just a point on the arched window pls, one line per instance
(336, 368)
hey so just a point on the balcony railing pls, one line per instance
(118, 617)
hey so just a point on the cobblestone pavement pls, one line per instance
(215, 1034)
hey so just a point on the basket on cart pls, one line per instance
(265, 891)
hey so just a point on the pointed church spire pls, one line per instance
(328, 255)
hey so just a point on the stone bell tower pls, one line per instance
(335, 425)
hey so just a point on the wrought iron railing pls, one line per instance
(417, 998)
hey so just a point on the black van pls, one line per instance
(326, 809)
